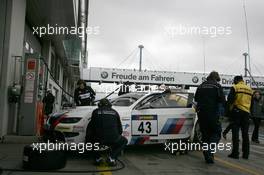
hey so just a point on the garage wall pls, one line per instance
(14, 17)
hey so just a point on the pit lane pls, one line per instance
(151, 159)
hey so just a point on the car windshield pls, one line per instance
(126, 99)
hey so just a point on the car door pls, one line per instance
(163, 116)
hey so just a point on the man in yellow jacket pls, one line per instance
(239, 101)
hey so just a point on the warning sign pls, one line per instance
(30, 76)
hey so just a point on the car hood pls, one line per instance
(86, 111)
(81, 111)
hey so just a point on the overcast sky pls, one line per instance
(125, 24)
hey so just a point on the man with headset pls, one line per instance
(105, 128)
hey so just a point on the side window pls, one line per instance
(145, 103)
(159, 102)
(170, 100)
(123, 102)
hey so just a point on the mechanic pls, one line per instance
(257, 107)
(84, 95)
(48, 102)
(208, 97)
(105, 128)
(239, 99)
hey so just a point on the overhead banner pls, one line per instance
(96, 74)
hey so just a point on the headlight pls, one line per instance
(70, 120)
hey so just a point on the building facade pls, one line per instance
(48, 28)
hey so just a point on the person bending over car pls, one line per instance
(105, 128)
(83, 95)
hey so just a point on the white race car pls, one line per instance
(146, 118)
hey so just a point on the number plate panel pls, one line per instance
(144, 125)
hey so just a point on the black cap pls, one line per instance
(104, 103)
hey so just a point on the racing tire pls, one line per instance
(197, 133)
(46, 160)
(53, 136)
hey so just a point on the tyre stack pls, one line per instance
(45, 160)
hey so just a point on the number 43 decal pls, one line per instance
(144, 127)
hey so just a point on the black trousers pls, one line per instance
(210, 128)
(240, 120)
(116, 148)
(228, 128)
(255, 135)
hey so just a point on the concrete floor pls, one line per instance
(150, 159)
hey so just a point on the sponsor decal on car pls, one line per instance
(126, 134)
(173, 126)
(139, 140)
(144, 125)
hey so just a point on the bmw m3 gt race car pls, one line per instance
(146, 118)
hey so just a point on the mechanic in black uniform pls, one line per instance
(105, 128)
(208, 97)
(239, 101)
(48, 102)
(83, 95)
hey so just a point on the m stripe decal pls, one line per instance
(173, 126)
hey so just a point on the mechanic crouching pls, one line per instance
(83, 95)
(105, 128)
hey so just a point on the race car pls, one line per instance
(146, 118)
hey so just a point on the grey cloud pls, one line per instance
(124, 24)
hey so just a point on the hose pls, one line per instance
(54, 79)
(67, 93)
(65, 171)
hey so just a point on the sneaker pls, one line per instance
(99, 161)
(209, 161)
(111, 161)
(233, 156)
(256, 141)
(209, 158)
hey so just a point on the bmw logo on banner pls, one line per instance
(104, 75)
(195, 79)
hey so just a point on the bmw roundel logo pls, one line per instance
(104, 75)
(195, 79)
